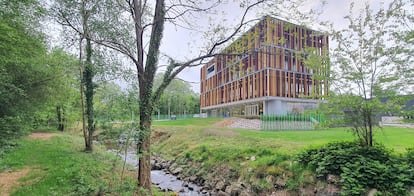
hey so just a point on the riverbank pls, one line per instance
(248, 162)
(219, 160)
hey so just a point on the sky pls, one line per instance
(183, 44)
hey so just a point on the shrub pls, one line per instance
(361, 167)
(11, 128)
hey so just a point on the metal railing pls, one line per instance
(291, 121)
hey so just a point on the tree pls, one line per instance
(33, 81)
(126, 26)
(78, 16)
(112, 103)
(368, 63)
(147, 67)
(178, 98)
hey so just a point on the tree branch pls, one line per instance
(242, 23)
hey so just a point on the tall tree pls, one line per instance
(31, 78)
(138, 36)
(77, 16)
(368, 63)
(147, 67)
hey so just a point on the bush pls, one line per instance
(360, 167)
(410, 156)
(11, 128)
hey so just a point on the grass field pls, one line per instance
(395, 138)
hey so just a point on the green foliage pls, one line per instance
(11, 128)
(360, 167)
(114, 104)
(410, 156)
(60, 167)
(379, 70)
(178, 98)
(33, 81)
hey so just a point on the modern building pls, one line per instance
(265, 72)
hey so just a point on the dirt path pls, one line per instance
(9, 179)
(44, 136)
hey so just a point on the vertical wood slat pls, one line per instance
(264, 83)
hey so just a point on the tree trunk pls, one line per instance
(144, 144)
(85, 134)
(146, 81)
(370, 143)
(88, 76)
(144, 170)
(60, 118)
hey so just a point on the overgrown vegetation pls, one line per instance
(60, 167)
(36, 85)
(361, 168)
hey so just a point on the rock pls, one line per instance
(176, 170)
(253, 158)
(200, 181)
(329, 190)
(181, 191)
(167, 190)
(185, 184)
(193, 178)
(280, 193)
(228, 189)
(235, 192)
(190, 188)
(270, 179)
(206, 188)
(412, 191)
(249, 169)
(221, 193)
(280, 184)
(332, 179)
(244, 193)
(173, 166)
(220, 186)
(242, 185)
(372, 192)
(247, 158)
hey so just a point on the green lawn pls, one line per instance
(188, 121)
(392, 137)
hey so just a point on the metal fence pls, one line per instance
(291, 121)
(171, 117)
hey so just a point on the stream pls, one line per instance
(160, 178)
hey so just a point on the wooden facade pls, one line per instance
(267, 61)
